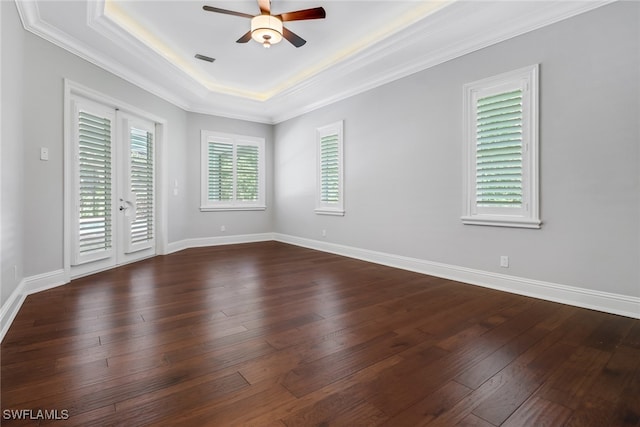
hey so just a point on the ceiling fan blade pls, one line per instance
(293, 38)
(244, 38)
(265, 7)
(299, 15)
(227, 12)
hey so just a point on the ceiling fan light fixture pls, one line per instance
(266, 30)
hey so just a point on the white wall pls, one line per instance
(403, 170)
(12, 152)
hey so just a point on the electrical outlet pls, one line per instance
(504, 261)
(223, 228)
(44, 153)
(324, 233)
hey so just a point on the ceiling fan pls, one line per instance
(267, 29)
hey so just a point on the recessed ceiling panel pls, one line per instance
(359, 45)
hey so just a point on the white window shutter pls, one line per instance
(142, 187)
(499, 150)
(93, 222)
(220, 171)
(233, 172)
(247, 173)
(330, 169)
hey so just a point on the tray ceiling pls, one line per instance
(360, 45)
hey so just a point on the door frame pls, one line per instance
(72, 88)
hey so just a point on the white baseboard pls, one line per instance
(596, 300)
(10, 308)
(42, 282)
(217, 241)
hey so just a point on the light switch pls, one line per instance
(44, 153)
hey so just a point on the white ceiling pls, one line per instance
(360, 45)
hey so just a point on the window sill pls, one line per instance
(329, 211)
(231, 208)
(497, 221)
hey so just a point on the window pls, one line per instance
(330, 194)
(501, 149)
(232, 172)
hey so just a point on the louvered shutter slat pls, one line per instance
(499, 150)
(247, 173)
(220, 180)
(141, 182)
(94, 178)
(329, 169)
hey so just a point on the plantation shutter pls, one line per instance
(499, 149)
(329, 168)
(141, 181)
(247, 173)
(233, 172)
(94, 225)
(220, 167)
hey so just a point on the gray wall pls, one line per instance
(403, 169)
(207, 224)
(12, 153)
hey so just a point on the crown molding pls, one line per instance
(33, 23)
(404, 53)
(417, 35)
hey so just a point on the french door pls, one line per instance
(113, 191)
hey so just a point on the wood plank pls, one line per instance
(538, 412)
(523, 384)
(604, 400)
(182, 398)
(430, 406)
(474, 421)
(496, 398)
(627, 411)
(568, 386)
(324, 411)
(317, 374)
(364, 414)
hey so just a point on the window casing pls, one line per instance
(233, 172)
(501, 150)
(330, 169)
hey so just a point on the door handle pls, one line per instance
(125, 205)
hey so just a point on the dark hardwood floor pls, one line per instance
(269, 334)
